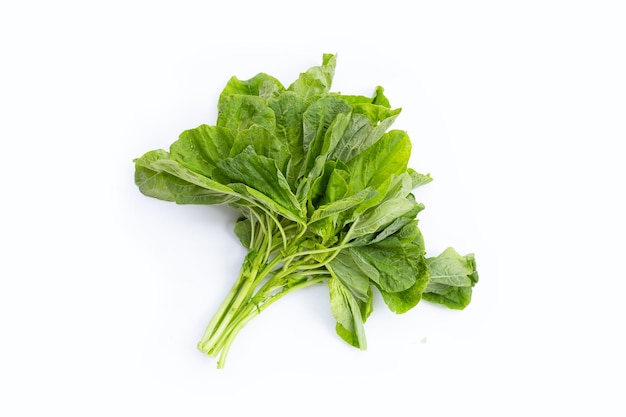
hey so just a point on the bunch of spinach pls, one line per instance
(325, 195)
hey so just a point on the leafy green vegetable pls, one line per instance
(325, 196)
(452, 277)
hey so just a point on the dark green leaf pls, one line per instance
(243, 230)
(402, 301)
(397, 262)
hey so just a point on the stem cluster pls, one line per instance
(273, 267)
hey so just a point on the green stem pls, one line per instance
(268, 274)
(252, 311)
(236, 298)
(219, 314)
(255, 269)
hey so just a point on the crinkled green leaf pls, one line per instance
(264, 143)
(353, 137)
(318, 141)
(259, 173)
(452, 277)
(316, 81)
(240, 112)
(402, 301)
(262, 85)
(418, 179)
(158, 176)
(371, 118)
(378, 98)
(201, 148)
(397, 262)
(360, 134)
(288, 110)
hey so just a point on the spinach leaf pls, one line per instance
(349, 314)
(389, 156)
(452, 278)
(289, 109)
(262, 85)
(316, 81)
(201, 148)
(239, 112)
(160, 177)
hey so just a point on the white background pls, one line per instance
(516, 108)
